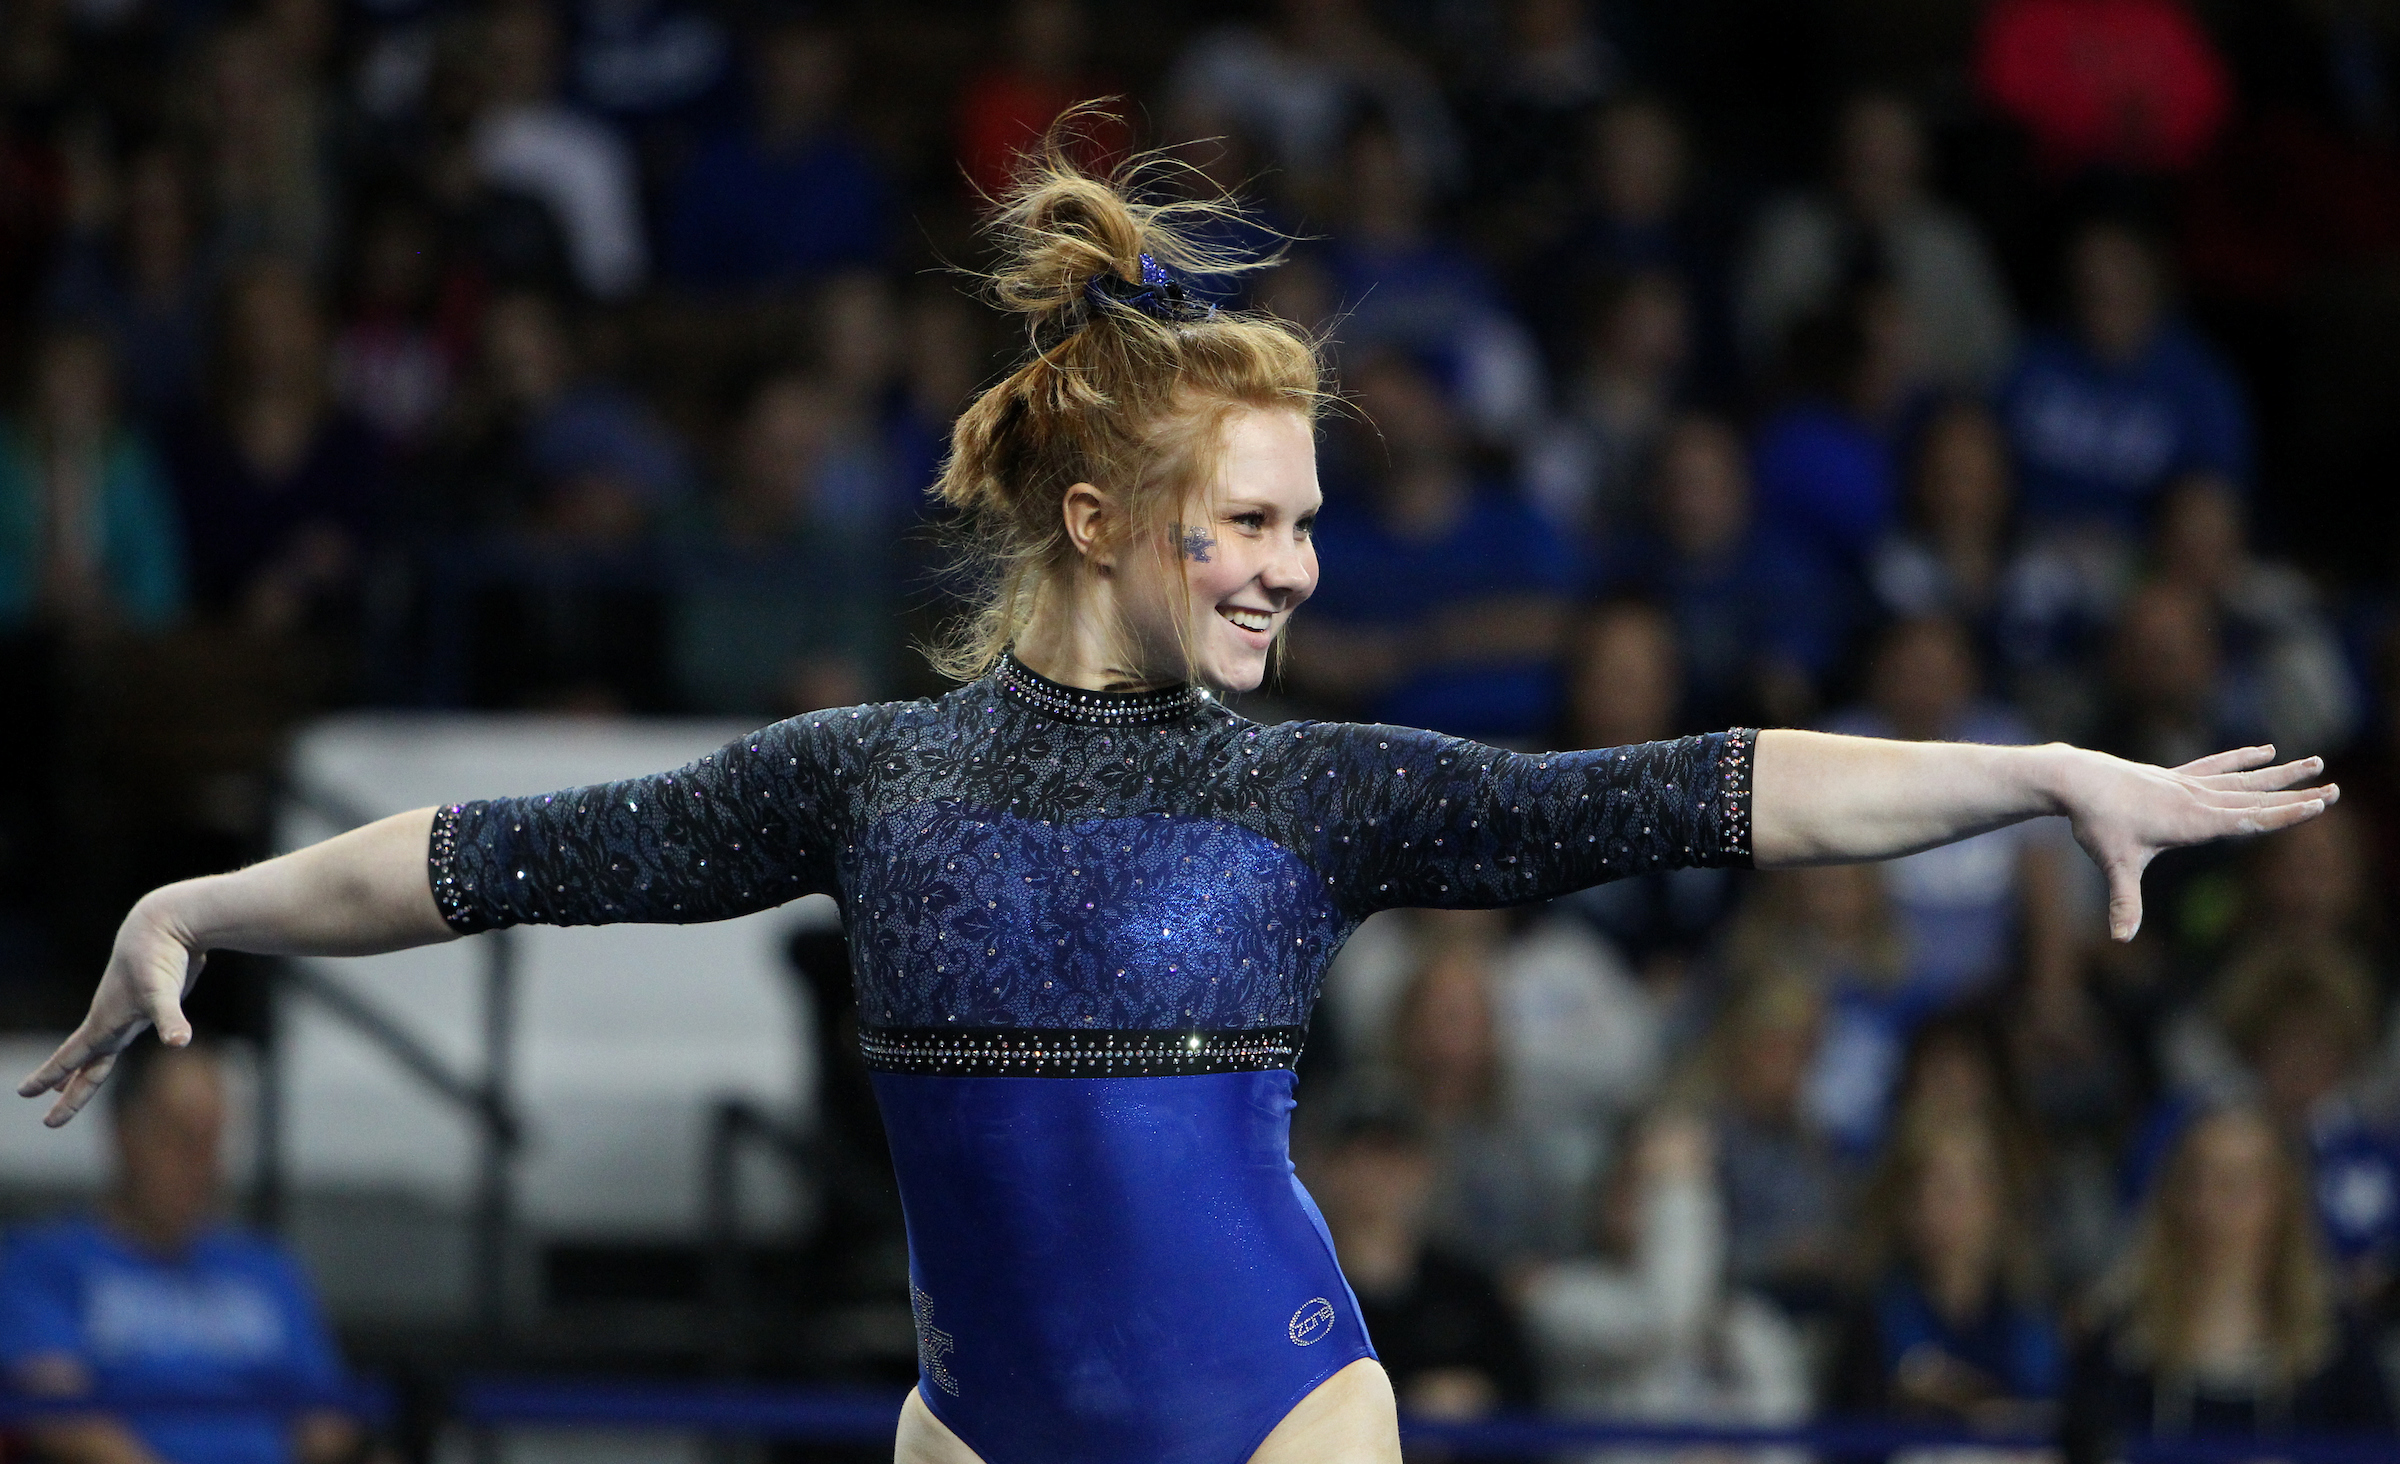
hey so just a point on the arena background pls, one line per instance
(410, 400)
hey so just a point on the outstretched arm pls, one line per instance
(358, 894)
(1822, 799)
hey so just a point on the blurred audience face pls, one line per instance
(2310, 882)
(1644, 333)
(1955, 1209)
(2166, 656)
(1841, 905)
(2305, 1056)
(1923, 678)
(520, 54)
(1625, 680)
(776, 454)
(526, 351)
(2117, 292)
(1445, 1041)
(859, 335)
(1046, 37)
(802, 72)
(1386, 197)
(1769, 1050)
(1882, 156)
(2202, 542)
(1951, 1081)
(2226, 1192)
(170, 1142)
(158, 223)
(1962, 485)
(1702, 496)
(1419, 437)
(1377, 1180)
(74, 390)
(1637, 163)
(275, 337)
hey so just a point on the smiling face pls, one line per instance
(1246, 554)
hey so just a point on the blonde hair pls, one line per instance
(2154, 1293)
(1108, 394)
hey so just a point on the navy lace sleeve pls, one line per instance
(745, 828)
(1409, 818)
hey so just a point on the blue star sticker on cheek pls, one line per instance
(1196, 544)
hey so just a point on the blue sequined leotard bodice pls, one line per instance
(1086, 931)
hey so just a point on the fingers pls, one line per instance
(2268, 820)
(2234, 760)
(2124, 900)
(71, 1055)
(79, 1091)
(2282, 775)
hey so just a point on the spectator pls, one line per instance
(2221, 1321)
(527, 141)
(546, 444)
(268, 141)
(1293, 85)
(1528, 105)
(1006, 109)
(2129, 86)
(1587, 467)
(89, 537)
(1646, 1328)
(644, 62)
(1827, 482)
(1967, 911)
(282, 493)
(2302, 1020)
(1833, 929)
(790, 198)
(1950, 554)
(1489, 1201)
(2101, 420)
(788, 612)
(1785, 1195)
(1750, 618)
(148, 284)
(1955, 1327)
(1408, 288)
(1881, 223)
(2281, 656)
(157, 1296)
(1625, 686)
(1442, 1328)
(2168, 702)
(1448, 596)
(392, 363)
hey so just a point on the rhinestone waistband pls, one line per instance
(1027, 1052)
(1097, 708)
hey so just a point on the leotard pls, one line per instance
(1086, 931)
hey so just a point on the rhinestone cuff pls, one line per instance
(1027, 1052)
(1094, 708)
(1734, 762)
(441, 867)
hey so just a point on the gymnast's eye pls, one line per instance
(1252, 521)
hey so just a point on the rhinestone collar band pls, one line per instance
(1093, 708)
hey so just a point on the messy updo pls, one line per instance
(1123, 386)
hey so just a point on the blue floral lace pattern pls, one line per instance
(1004, 865)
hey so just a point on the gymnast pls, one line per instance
(1089, 906)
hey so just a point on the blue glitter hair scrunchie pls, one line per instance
(1159, 294)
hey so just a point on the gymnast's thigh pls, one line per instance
(1350, 1418)
(925, 1439)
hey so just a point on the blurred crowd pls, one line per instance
(1994, 370)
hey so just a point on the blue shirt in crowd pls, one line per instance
(2012, 1344)
(1760, 602)
(1826, 480)
(135, 534)
(1499, 547)
(2097, 441)
(231, 1319)
(742, 215)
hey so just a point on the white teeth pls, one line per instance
(1257, 620)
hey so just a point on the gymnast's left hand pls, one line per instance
(2125, 814)
(150, 968)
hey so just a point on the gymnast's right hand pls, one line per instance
(153, 964)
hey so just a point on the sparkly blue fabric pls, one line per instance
(1117, 1267)
(999, 866)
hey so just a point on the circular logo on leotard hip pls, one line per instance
(1312, 1321)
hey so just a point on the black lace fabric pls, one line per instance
(1006, 858)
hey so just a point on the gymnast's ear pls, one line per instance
(1090, 522)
